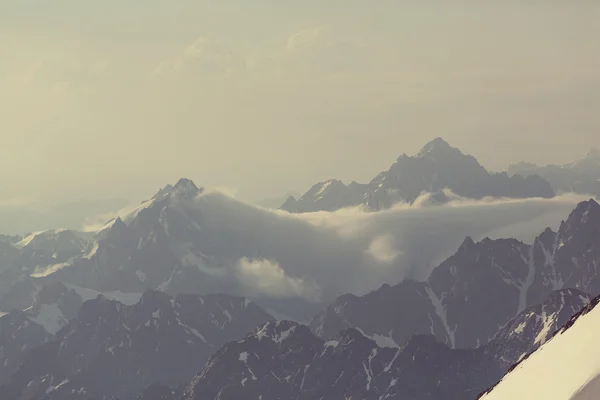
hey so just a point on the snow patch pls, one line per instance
(50, 317)
(441, 312)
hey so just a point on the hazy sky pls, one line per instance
(117, 98)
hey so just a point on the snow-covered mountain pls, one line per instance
(36, 256)
(567, 367)
(487, 295)
(475, 292)
(111, 349)
(436, 167)
(580, 176)
(285, 360)
(159, 245)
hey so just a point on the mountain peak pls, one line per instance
(436, 145)
(185, 183)
(586, 214)
(585, 207)
(467, 243)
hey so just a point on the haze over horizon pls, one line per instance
(265, 98)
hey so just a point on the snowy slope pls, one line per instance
(565, 368)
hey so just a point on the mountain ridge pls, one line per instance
(437, 167)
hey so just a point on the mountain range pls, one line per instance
(143, 308)
(285, 360)
(371, 347)
(112, 349)
(580, 176)
(476, 291)
(436, 167)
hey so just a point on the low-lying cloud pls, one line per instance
(318, 256)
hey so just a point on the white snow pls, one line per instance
(519, 329)
(27, 240)
(324, 187)
(284, 335)
(92, 252)
(441, 312)
(380, 340)
(385, 341)
(244, 359)
(50, 317)
(41, 272)
(331, 343)
(526, 284)
(198, 334)
(559, 368)
(543, 334)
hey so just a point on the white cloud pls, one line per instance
(382, 249)
(202, 55)
(304, 38)
(267, 278)
(351, 251)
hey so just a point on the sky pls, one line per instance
(113, 99)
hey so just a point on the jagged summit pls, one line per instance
(467, 243)
(437, 145)
(589, 209)
(185, 183)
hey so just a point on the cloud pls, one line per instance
(304, 38)
(351, 251)
(202, 55)
(382, 249)
(267, 278)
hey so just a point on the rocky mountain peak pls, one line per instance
(436, 146)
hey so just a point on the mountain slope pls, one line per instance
(475, 292)
(566, 367)
(111, 349)
(437, 167)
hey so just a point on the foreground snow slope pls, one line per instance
(565, 368)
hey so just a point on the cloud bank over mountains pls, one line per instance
(317, 256)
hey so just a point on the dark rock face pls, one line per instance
(159, 392)
(286, 361)
(475, 292)
(392, 312)
(18, 335)
(115, 350)
(437, 167)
